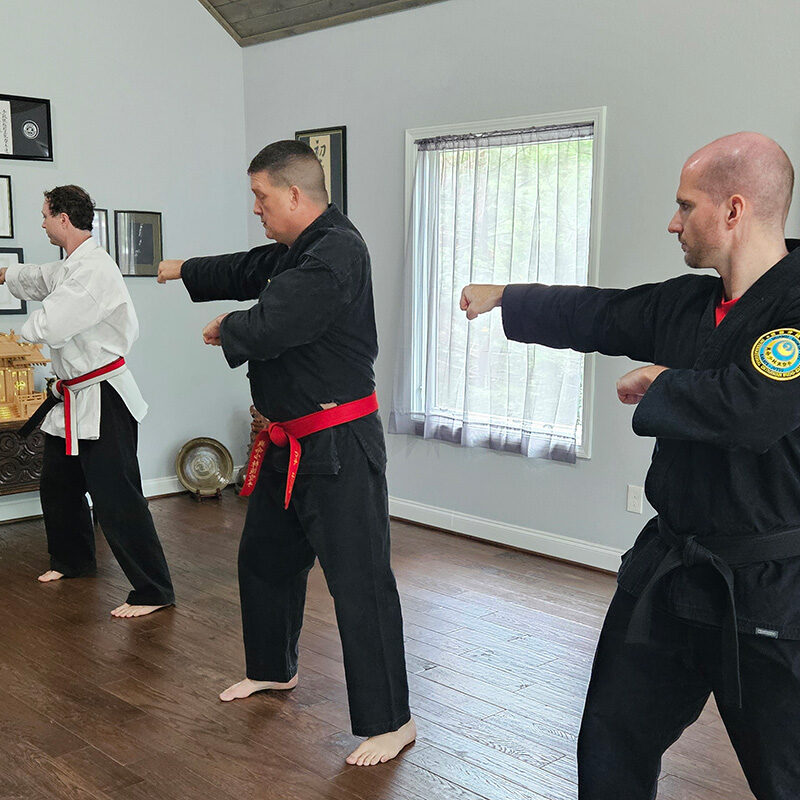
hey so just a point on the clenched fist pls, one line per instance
(169, 270)
(477, 298)
(632, 386)
(211, 332)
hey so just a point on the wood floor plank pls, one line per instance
(671, 787)
(499, 645)
(19, 720)
(467, 775)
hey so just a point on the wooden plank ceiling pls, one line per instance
(254, 21)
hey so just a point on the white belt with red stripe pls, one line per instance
(66, 389)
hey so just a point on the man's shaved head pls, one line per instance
(292, 163)
(750, 165)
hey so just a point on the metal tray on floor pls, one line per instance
(204, 466)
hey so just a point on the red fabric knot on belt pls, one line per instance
(290, 432)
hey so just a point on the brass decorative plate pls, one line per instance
(204, 466)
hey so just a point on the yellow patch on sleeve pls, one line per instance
(776, 354)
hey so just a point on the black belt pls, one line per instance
(721, 553)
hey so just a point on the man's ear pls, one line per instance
(736, 208)
(294, 198)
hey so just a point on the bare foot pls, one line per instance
(247, 687)
(379, 749)
(127, 610)
(50, 575)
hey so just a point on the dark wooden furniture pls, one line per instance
(20, 459)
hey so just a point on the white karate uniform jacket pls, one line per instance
(87, 319)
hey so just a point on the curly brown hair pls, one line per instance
(74, 202)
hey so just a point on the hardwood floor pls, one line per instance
(499, 648)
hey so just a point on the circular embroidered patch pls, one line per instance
(30, 129)
(777, 354)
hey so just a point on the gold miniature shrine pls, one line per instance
(18, 400)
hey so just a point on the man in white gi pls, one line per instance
(88, 321)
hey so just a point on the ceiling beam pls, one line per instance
(246, 30)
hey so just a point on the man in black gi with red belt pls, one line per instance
(708, 598)
(310, 343)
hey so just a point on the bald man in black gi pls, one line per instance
(708, 598)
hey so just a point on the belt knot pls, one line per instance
(277, 434)
(692, 552)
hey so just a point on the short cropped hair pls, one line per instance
(292, 163)
(74, 202)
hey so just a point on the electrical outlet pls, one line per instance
(635, 499)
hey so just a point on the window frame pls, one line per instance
(597, 116)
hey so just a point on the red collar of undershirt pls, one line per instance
(723, 307)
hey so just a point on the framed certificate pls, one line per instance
(6, 211)
(8, 303)
(25, 128)
(330, 145)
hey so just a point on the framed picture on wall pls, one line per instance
(6, 211)
(25, 128)
(8, 303)
(100, 228)
(330, 145)
(139, 242)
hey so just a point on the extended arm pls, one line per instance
(611, 321)
(27, 281)
(236, 276)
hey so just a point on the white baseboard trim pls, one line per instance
(21, 506)
(541, 542)
(156, 486)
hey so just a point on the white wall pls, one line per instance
(672, 77)
(147, 106)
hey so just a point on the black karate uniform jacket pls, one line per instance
(311, 337)
(727, 454)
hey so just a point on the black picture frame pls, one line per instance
(8, 303)
(6, 208)
(26, 129)
(139, 242)
(330, 145)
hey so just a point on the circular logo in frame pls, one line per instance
(776, 354)
(30, 129)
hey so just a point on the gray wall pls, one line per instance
(147, 104)
(671, 79)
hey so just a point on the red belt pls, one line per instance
(283, 433)
(66, 388)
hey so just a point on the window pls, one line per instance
(509, 201)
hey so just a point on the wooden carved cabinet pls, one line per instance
(20, 459)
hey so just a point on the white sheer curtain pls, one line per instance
(503, 207)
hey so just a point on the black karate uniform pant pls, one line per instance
(344, 521)
(108, 469)
(642, 696)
